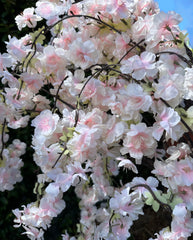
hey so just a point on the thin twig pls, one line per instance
(136, 45)
(67, 104)
(153, 195)
(177, 54)
(56, 96)
(59, 157)
(86, 17)
(2, 140)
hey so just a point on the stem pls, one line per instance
(2, 140)
(59, 157)
(97, 72)
(177, 54)
(68, 104)
(56, 96)
(153, 195)
(86, 17)
(77, 104)
(136, 45)
(20, 87)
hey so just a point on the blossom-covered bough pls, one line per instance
(108, 86)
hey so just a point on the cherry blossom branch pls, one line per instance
(107, 67)
(177, 54)
(79, 95)
(67, 104)
(2, 140)
(33, 45)
(85, 17)
(56, 96)
(19, 92)
(153, 195)
(110, 219)
(136, 45)
(57, 160)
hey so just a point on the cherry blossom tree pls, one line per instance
(107, 87)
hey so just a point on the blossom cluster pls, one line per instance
(107, 87)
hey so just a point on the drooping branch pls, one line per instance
(57, 93)
(2, 139)
(57, 160)
(79, 95)
(58, 98)
(85, 17)
(177, 54)
(135, 45)
(167, 206)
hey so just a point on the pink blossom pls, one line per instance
(169, 87)
(16, 48)
(167, 120)
(182, 223)
(34, 233)
(166, 22)
(5, 61)
(83, 145)
(141, 27)
(188, 84)
(27, 18)
(84, 53)
(120, 8)
(123, 203)
(53, 60)
(24, 100)
(95, 118)
(137, 98)
(146, 7)
(47, 9)
(45, 123)
(150, 181)
(120, 228)
(114, 130)
(33, 81)
(127, 164)
(139, 142)
(140, 66)
(18, 123)
(186, 193)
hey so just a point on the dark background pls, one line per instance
(9, 9)
(22, 193)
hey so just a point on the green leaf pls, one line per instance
(160, 197)
(167, 195)
(176, 200)
(63, 138)
(38, 189)
(182, 37)
(38, 36)
(115, 216)
(66, 152)
(149, 200)
(155, 206)
(81, 238)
